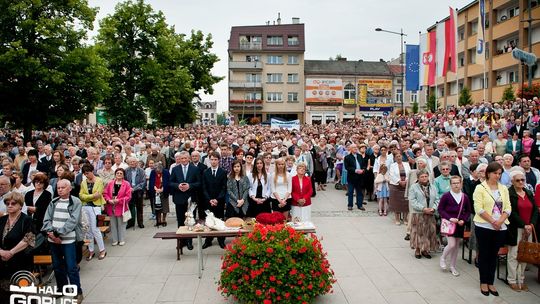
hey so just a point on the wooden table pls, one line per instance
(183, 233)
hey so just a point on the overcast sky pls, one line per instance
(343, 27)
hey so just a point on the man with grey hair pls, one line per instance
(137, 178)
(5, 187)
(156, 156)
(62, 224)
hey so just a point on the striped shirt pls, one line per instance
(60, 217)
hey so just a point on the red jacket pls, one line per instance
(304, 193)
(124, 196)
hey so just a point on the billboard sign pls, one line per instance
(375, 92)
(324, 90)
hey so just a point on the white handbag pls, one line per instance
(126, 215)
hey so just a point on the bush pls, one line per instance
(275, 264)
(254, 120)
(529, 93)
(415, 107)
(431, 103)
(465, 97)
(508, 94)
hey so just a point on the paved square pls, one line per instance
(372, 263)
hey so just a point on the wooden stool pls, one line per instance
(39, 262)
(502, 256)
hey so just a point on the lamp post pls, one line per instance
(401, 34)
(255, 91)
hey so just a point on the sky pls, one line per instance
(345, 27)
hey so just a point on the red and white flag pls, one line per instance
(450, 54)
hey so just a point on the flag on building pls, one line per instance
(481, 41)
(450, 54)
(427, 59)
(412, 56)
(440, 47)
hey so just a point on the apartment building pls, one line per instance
(341, 90)
(504, 30)
(266, 71)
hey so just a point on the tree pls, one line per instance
(48, 76)
(220, 119)
(465, 97)
(337, 58)
(155, 70)
(508, 94)
(431, 103)
(415, 107)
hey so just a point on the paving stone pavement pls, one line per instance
(372, 263)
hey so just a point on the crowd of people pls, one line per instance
(472, 168)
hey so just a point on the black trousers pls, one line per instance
(136, 208)
(489, 242)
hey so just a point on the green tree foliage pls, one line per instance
(508, 94)
(220, 119)
(465, 97)
(431, 103)
(48, 77)
(154, 69)
(415, 107)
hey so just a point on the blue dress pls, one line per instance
(384, 192)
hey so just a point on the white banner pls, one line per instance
(291, 125)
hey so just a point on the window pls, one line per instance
(212, 115)
(513, 12)
(250, 58)
(274, 40)
(474, 27)
(205, 115)
(511, 77)
(253, 96)
(461, 33)
(274, 77)
(253, 77)
(349, 91)
(399, 95)
(414, 96)
(274, 59)
(292, 78)
(274, 97)
(293, 59)
(250, 42)
(293, 40)
(461, 59)
(472, 56)
(460, 86)
(292, 97)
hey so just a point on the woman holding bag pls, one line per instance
(117, 194)
(454, 209)
(524, 215)
(158, 187)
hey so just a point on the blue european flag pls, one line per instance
(412, 67)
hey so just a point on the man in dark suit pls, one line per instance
(46, 163)
(214, 191)
(356, 170)
(199, 198)
(184, 182)
(137, 178)
(517, 128)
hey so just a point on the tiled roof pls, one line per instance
(338, 67)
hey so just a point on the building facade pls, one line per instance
(266, 71)
(504, 30)
(341, 90)
(206, 113)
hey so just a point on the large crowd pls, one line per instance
(471, 168)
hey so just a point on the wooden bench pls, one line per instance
(466, 242)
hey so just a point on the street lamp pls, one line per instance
(400, 33)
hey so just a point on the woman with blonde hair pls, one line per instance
(280, 188)
(381, 188)
(301, 194)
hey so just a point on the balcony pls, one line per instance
(240, 103)
(502, 61)
(246, 45)
(245, 85)
(245, 65)
(506, 28)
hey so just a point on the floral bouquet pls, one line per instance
(266, 218)
(275, 264)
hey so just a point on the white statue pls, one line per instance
(213, 222)
(190, 219)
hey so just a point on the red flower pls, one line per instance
(302, 250)
(266, 265)
(272, 278)
(293, 272)
(287, 295)
(269, 250)
(258, 292)
(234, 287)
(266, 301)
(253, 262)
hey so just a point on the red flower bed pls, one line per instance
(275, 264)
